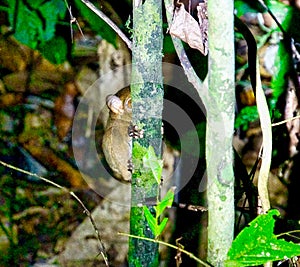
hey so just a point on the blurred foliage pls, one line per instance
(55, 50)
(243, 6)
(33, 23)
(245, 116)
(283, 59)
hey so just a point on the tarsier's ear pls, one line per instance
(115, 104)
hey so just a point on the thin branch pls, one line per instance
(100, 14)
(288, 233)
(86, 211)
(191, 255)
(285, 121)
(72, 20)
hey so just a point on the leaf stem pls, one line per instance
(286, 120)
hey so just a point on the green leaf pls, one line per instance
(151, 220)
(35, 4)
(138, 151)
(155, 227)
(166, 202)
(29, 27)
(257, 244)
(51, 11)
(161, 227)
(35, 22)
(282, 12)
(151, 161)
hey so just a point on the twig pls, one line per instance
(178, 248)
(289, 233)
(100, 14)
(72, 20)
(285, 121)
(86, 211)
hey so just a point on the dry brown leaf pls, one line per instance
(186, 28)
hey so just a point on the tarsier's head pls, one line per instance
(120, 103)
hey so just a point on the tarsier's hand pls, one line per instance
(135, 132)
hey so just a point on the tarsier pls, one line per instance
(116, 142)
(119, 131)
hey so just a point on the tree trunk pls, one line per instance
(220, 123)
(147, 104)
